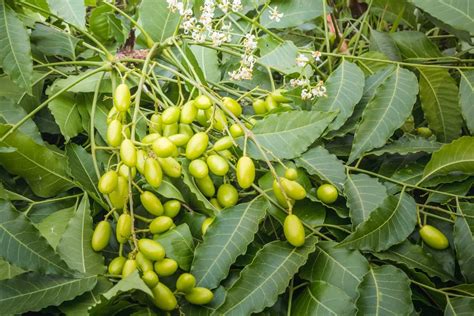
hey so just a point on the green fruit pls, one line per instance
(197, 145)
(143, 263)
(172, 208)
(150, 278)
(170, 115)
(166, 267)
(198, 169)
(179, 139)
(278, 96)
(186, 129)
(217, 165)
(156, 124)
(293, 189)
(161, 224)
(279, 195)
(141, 158)
(114, 133)
(433, 237)
(216, 204)
(124, 228)
(206, 186)
(170, 166)
(150, 138)
(108, 182)
(227, 195)
(199, 296)
(202, 118)
(125, 171)
(101, 236)
(151, 203)
(119, 196)
(327, 193)
(224, 143)
(170, 129)
(259, 106)
(188, 113)
(163, 147)
(163, 297)
(116, 265)
(151, 249)
(113, 115)
(202, 102)
(270, 103)
(220, 120)
(424, 132)
(236, 131)
(227, 154)
(205, 225)
(245, 172)
(129, 267)
(153, 172)
(232, 105)
(128, 153)
(185, 283)
(294, 230)
(122, 97)
(291, 174)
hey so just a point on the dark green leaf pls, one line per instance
(11, 113)
(53, 226)
(464, 239)
(8, 271)
(179, 245)
(382, 42)
(52, 42)
(294, 12)
(466, 97)
(66, 114)
(459, 306)
(414, 44)
(408, 144)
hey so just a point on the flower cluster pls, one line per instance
(302, 60)
(309, 92)
(247, 61)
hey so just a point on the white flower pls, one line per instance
(250, 43)
(198, 34)
(218, 38)
(299, 82)
(224, 5)
(306, 95)
(302, 60)
(274, 14)
(319, 90)
(316, 55)
(236, 5)
(188, 24)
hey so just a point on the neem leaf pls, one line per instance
(464, 239)
(179, 245)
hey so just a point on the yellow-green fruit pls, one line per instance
(227, 154)
(202, 118)
(179, 139)
(199, 296)
(216, 204)
(202, 102)
(291, 174)
(143, 263)
(122, 97)
(227, 195)
(170, 129)
(124, 228)
(223, 143)
(294, 230)
(424, 132)
(198, 168)
(188, 113)
(270, 103)
(113, 115)
(161, 224)
(197, 145)
(163, 147)
(151, 249)
(170, 115)
(125, 171)
(245, 172)
(433, 237)
(119, 196)
(205, 225)
(172, 208)
(166, 267)
(185, 283)
(128, 153)
(327, 193)
(185, 129)
(163, 297)
(116, 265)
(150, 278)
(108, 182)
(101, 236)
(279, 195)
(206, 186)
(153, 172)
(156, 124)
(114, 133)
(293, 189)
(150, 138)
(128, 268)
(217, 165)
(220, 120)
(170, 166)
(259, 106)
(232, 105)
(278, 96)
(236, 131)
(151, 203)
(141, 158)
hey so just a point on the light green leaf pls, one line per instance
(159, 21)
(265, 278)
(8, 271)
(385, 290)
(387, 111)
(364, 194)
(208, 62)
(318, 161)
(12, 113)
(282, 58)
(414, 257)
(439, 100)
(71, 11)
(322, 298)
(66, 114)
(388, 225)
(75, 245)
(32, 292)
(52, 42)
(23, 246)
(464, 239)
(294, 12)
(42, 168)
(53, 226)
(408, 144)
(413, 44)
(105, 25)
(466, 98)
(341, 267)
(179, 245)
(456, 157)
(382, 42)
(15, 49)
(87, 85)
(344, 89)
(457, 13)
(459, 306)
(130, 283)
(227, 238)
(286, 135)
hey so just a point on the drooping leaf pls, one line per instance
(15, 49)
(364, 194)
(385, 290)
(227, 237)
(344, 89)
(282, 58)
(265, 278)
(159, 22)
(42, 168)
(208, 62)
(287, 135)
(464, 239)
(466, 98)
(388, 225)
(30, 292)
(458, 188)
(459, 306)
(387, 111)
(439, 100)
(71, 11)
(341, 267)
(318, 161)
(408, 144)
(52, 42)
(53, 226)
(66, 114)
(130, 283)
(81, 304)
(294, 13)
(382, 42)
(179, 245)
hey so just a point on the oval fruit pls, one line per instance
(223, 143)
(202, 102)
(124, 171)
(217, 165)
(101, 236)
(216, 204)
(108, 182)
(163, 297)
(163, 147)
(172, 208)
(156, 124)
(236, 131)
(119, 196)
(153, 172)
(114, 133)
(161, 224)
(150, 278)
(279, 195)
(278, 96)
(166, 267)
(291, 174)
(150, 138)
(327, 193)
(128, 153)
(122, 97)
(170, 115)
(245, 172)
(198, 169)
(433, 237)
(124, 228)
(294, 230)
(141, 158)
(170, 166)
(232, 105)
(270, 103)
(197, 145)
(259, 106)
(170, 129)
(199, 296)
(179, 139)
(220, 120)
(116, 265)
(143, 263)
(151, 249)
(227, 195)
(293, 189)
(151, 203)
(202, 118)
(185, 129)
(188, 113)
(424, 132)
(205, 225)
(128, 268)
(206, 186)
(185, 283)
